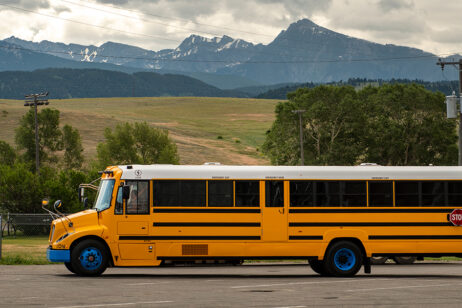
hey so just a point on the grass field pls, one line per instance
(195, 123)
(24, 250)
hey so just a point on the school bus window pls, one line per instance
(301, 193)
(192, 193)
(354, 193)
(166, 193)
(220, 193)
(455, 193)
(119, 206)
(138, 203)
(407, 193)
(247, 193)
(274, 191)
(327, 193)
(380, 193)
(433, 193)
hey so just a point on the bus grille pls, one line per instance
(195, 250)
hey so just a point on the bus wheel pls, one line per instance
(68, 265)
(343, 259)
(404, 260)
(89, 258)
(378, 260)
(318, 267)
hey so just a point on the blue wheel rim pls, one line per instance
(344, 259)
(91, 258)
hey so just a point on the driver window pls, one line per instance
(119, 206)
(138, 203)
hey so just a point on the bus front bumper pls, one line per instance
(61, 255)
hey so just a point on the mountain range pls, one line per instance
(304, 52)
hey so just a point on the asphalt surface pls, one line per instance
(276, 285)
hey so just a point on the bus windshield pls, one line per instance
(104, 196)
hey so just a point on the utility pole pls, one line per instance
(459, 63)
(302, 156)
(33, 100)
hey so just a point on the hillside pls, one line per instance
(73, 83)
(194, 123)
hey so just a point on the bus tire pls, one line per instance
(89, 258)
(68, 265)
(378, 260)
(343, 259)
(318, 267)
(404, 260)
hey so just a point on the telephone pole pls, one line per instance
(34, 100)
(459, 63)
(302, 156)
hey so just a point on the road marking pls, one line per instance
(407, 287)
(146, 283)
(118, 304)
(291, 307)
(301, 283)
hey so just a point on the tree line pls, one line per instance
(62, 164)
(392, 124)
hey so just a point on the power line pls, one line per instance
(229, 61)
(91, 25)
(136, 18)
(182, 19)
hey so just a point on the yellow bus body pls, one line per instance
(259, 232)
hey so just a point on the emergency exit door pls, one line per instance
(275, 211)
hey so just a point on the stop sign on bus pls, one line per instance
(456, 217)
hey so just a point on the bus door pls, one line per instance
(275, 211)
(133, 219)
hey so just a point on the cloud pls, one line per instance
(389, 5)
(30, 4)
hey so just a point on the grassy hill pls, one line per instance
(195, 123)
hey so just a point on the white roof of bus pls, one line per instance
(148, 172)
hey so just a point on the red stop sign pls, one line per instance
(456, 217)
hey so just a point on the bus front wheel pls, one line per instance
(89, 258)
(343, 259)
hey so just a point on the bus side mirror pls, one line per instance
(81, 194)
(85, 202)
(125, 192)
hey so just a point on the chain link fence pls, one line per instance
(20, 224)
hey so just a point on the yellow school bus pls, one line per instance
(337, 218)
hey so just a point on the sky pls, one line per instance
(430, 25)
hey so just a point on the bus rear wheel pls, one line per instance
(318, 267)
(343, 259)
(89, 258)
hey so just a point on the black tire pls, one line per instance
(378, 260)
(318, 267)
(404, 260)
(89, 258)
(343, 259)
(68, 265)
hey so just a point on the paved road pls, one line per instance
(420, 285)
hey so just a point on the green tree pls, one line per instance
(407, 125)
(7, 154)
(50, 136)
(51, 139)
(393, 124)
(72, 145)
(332, 122)
(136, 143)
